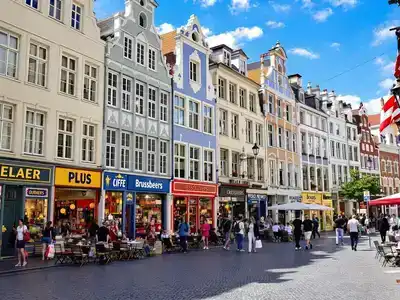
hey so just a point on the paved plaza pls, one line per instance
(277, 272)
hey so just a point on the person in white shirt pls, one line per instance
(352, 226)
(288, 229)
(20, 244)
(276, 230)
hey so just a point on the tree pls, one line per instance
(354, 189)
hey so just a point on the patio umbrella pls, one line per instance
(388, 200)
(290, 206)
(319, 207)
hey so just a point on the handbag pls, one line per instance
(258, 244)
(50, 251)
(27, 236)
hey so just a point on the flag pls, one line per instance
(390, 114)
(397, 67)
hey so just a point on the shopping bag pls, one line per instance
(27, 236)
(258, 244)
(50, 251)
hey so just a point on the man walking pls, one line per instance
(239, 232)
(226, 228)
(183, 234)
(307, 228)
(315, 231)
(339, 224)
(297, 231)
(352, 226)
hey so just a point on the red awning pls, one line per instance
(389, 200)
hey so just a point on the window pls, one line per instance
(350, 153)
(303, 143)
(111, 144)
(65, 138)
(344, 151)
(389, 166)
(9, 47)
(152, 59)
(323, 125)
(194, 163)
(55, 9)
(260, 169)
(348, 133)
(32, 3)
(164, 107)
(271, 104)
(235, 164)
(331, 128)
(326, 181)
(317, 122)
(288, 113)
(221, 88)
(337, 129)
(396, 168)
(179, 110)
(312, 178)
(126, 93)
(34, 132)
(319, 179)
(306, 182)
(338, 150)
(311, 144)
(383, 166)
(249, 131)
(88, 143)
(235, 126)
(242, 98)
(125, 150)
(289, 174)
(143, 20)
(280, 137)
(271, 135)
(242, 66)
(194, 71)
(279, 104)
(340, 180)
(207, 119)
(259, 135)
(180, 160)
(139, 99)
(317, 146)
(302, 121)
(287, 140)
(152, 103)
(163, 157)
(355, 153)
(272, 179)
(224, 162)
(76, 16)
(223, 122)
(6, 125)
(194, 115)
(68, 75)
(345, 174)
(354, 135)
(90, 83)
(208, 165)
(140, 53)
(139, 153)
(128, 42)
(332, 149)
(232, 93)
(38, 60)
(151, 155)
(281, 173)
(112, 89)
(324, 149)
(296, 176)
(227, 58)
(294, 142)
(252, 102)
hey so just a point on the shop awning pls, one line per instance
(388, 200)
(319, 207)
(299, 206)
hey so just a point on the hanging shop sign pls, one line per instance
(311, 198)
(25, 173)
(77, 178)
(148, 184)
(256, 197)
(36, 193)
(232, 191)
(194, 188)
(115, 181)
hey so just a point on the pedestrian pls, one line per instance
(352, 226)
(253, 234)
(183, 229)
(339, 224)
(226, 228)
(239, 233)
(307, 228)
(297, 231)
(103, 234)
(315, 231)
(383, 229)
(22, 230)
(345, 224)
(47, 238)
(205, 232)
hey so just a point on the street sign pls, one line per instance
(367, 196)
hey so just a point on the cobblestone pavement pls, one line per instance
(276, 272)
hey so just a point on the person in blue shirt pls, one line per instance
(183, 230)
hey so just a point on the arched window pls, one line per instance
(195, 37)
(142, 3)
(391, 139)
(143, 20)
(279, 68)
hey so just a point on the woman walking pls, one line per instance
(253, 234)
(20, 244)
(205, 232)
(47, 238)
(383, 229)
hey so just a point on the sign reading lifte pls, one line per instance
(77, 178)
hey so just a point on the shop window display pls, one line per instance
(35, 216)
(206, 209)
(180, 211)
(148, 214)
(113, 205)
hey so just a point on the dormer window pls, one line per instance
(227, 58)
(143, 20)
(301, 97)
(242, 67)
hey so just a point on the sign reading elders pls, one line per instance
(36, 193)
(77, 178)
(25, 173)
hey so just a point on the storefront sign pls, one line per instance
(256, 197)
(194, 188)
(232, 191)
(115, 181)
(129, 197)
(25, 173)
(36, 193)
(311, 198)
(148, 184)
(78, 178)
(294, 198)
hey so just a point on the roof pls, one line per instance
(221, 46)
(295, 75)
(168, 42)
(374, 119)
(241, 52)
(254, 65)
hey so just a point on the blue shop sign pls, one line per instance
(148, 184)
(256, 197)
(115, 181)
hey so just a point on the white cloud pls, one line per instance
(373, 106)
(322, 15)
(379, 61)
(335, 46)
(206, 31)
(382, 33)
(304, 52)
(206, 3)
(280, 7)
(344, 3)
(274, 24)
(351, 99)
(307, 4)
(239, 6)
(165, 28)
(388, 68)
(234, 38)
(386, 84)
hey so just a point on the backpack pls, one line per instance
(236, 228)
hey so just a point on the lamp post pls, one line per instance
(369, 165)
(256, 150)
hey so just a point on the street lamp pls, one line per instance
(255, 149)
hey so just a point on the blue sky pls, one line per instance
(323, 38)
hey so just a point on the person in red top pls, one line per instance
(205, 232)
(113, 232)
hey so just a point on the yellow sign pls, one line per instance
(25, 173)
(311, 198)
(328, 214)
(77, 178)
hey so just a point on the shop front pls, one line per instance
(325, 217)
(76, 198)
(139, 201)
(193, 201)
(257, 205)
(24, 193)
(232, 200)
(328, 214)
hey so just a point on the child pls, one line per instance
(205, 233)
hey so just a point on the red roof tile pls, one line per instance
(374, 119)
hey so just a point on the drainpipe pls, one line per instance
(170, 201)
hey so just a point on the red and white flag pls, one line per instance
(390, 114)
(397, 67)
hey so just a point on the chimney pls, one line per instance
(309, 88)
(317, 91)
(128, 8)
(332, 96)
